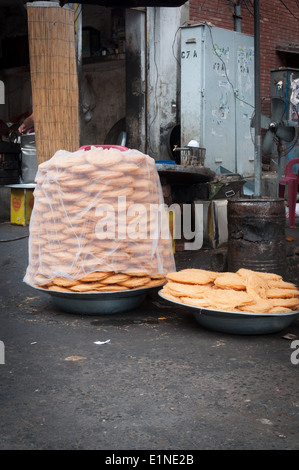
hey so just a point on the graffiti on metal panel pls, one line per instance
(244, 60)
(294, 100)
(223, 54)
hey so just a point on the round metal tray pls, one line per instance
(97, 303)
(239, 323)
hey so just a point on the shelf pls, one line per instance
(106, 58)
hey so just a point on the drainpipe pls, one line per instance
(238, 17)
(257, 101)
(237, 22)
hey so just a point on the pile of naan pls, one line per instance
(98, 213)
(242, 291)
(101, 281)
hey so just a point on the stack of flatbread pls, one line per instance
(243, 291)
(98, 213)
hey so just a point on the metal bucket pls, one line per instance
(256, 235)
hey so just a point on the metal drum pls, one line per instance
(256, 235)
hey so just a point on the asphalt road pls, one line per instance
(161, 382)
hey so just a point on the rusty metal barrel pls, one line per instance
(256, 235)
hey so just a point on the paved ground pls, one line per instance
(162, 382)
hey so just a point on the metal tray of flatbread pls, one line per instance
(240, 323)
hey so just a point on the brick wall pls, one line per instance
(279, 24)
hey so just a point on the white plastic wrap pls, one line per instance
(98, 210)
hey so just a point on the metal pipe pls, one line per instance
(257, 102)
(178, 149)
(238, 18)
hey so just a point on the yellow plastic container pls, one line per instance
(21, 203)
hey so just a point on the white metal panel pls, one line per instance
(216, 74)
(219, 98)
(192, 84)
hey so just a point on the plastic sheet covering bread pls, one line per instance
(99, 223)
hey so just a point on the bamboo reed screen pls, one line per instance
(54, 79)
